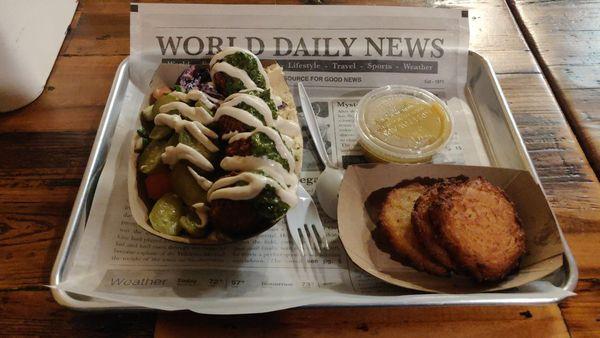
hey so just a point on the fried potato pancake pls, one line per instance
(395, 221)
(424, 231)
(479, 227)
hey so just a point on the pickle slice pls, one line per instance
(167, 98)
(185, 186)
(160, 132)
(189, 140)
(165, 214)
(191, 224)
(147, 115)
(150, 161)
(201, 104)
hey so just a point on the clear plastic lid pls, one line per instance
(398, 123)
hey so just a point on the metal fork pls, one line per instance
(304, 224)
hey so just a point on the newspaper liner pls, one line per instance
(166, 75)
(544, 247)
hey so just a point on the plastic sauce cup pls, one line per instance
(403, 124)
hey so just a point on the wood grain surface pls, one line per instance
(565, 36)
(45, 147)
(33, 312)
(543, 321)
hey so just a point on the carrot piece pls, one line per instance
(158, 92)
(158, 184)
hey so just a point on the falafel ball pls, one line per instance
(227, 124)
(236, 218)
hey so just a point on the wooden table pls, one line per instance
(565, 36)
(45, 146)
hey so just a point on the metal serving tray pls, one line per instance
(497, 127)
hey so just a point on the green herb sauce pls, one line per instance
(268, 205)
(262, 145)
(249, 65)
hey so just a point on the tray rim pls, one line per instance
(94, 168)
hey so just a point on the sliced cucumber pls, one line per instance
(185, 186)
(160, 132)
(150, 161)
(167, 98)
(191, 224)
(189, 140)
(165, 214)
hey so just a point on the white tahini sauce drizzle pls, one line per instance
(276, 99)
(229, 135)
(288, 141)
(253, 101)
(180, 96)
(242, 75)
(196, 95)
(192, 113)
(184, 152)
(228, 108)
(202, 181)
(251, 163)
(224, 188)
(198, 131)
(271, 133)
(287, 127)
